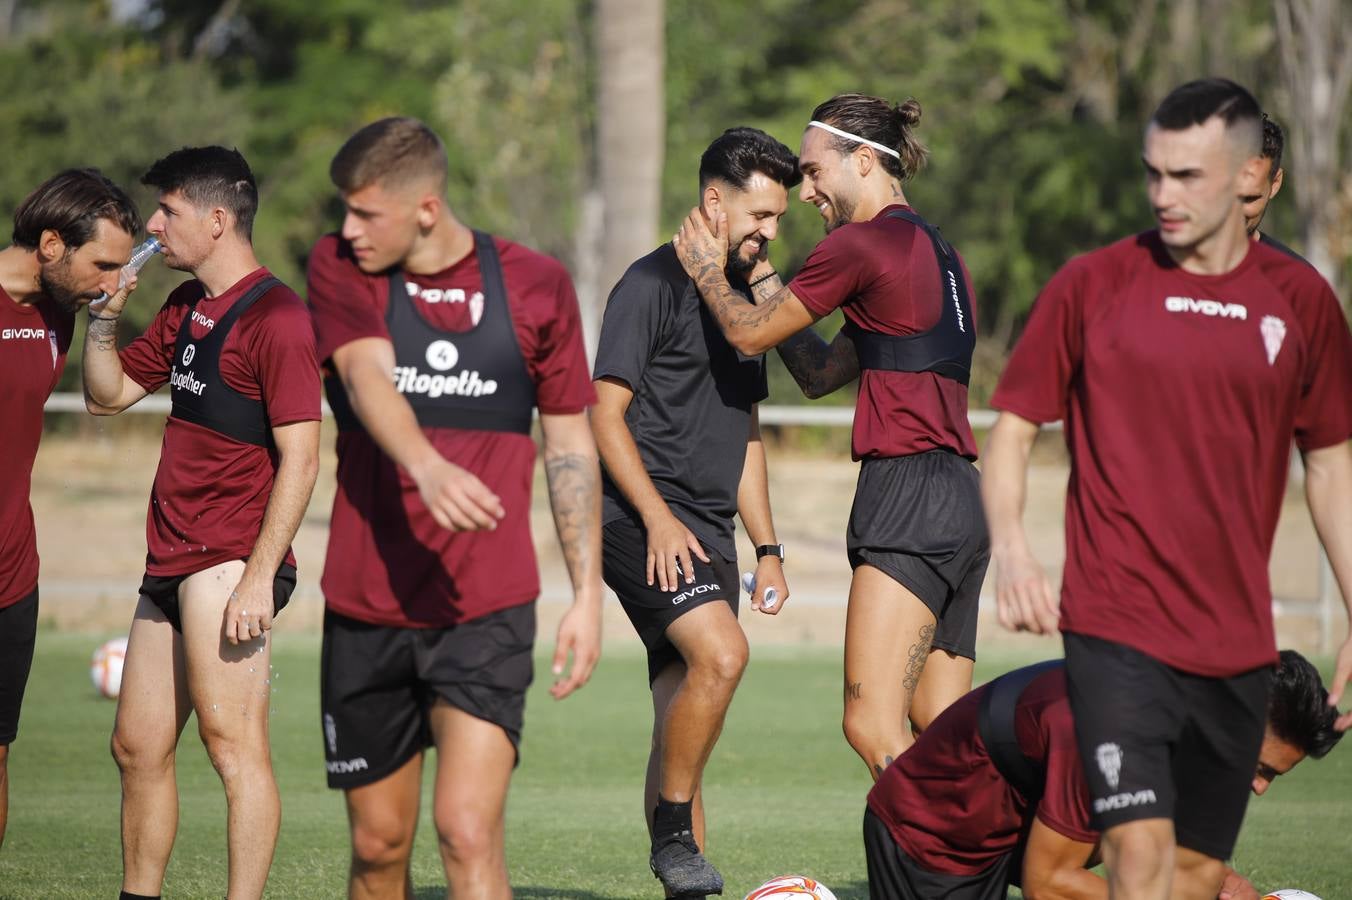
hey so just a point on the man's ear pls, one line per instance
(429, 210)
(50, 246)
(1277, 180)
(864, 160)
(221, 221)
(711, 200)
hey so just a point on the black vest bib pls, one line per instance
(946, 349)
(198, 392)
(475, 379)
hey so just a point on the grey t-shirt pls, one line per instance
(693, 396)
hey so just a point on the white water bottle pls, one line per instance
(139, 257)
(749, 585)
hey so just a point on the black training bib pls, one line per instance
(474, 379)
(946, 349)
(198, 392)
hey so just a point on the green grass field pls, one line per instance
(784, 792)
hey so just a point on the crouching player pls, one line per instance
(993, 793)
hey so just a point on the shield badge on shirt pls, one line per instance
(1274, 332)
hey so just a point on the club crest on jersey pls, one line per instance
(1213, 308)
(1274, 333)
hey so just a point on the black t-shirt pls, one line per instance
(1265, 238)
(693, 396)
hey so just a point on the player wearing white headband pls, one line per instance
(917, 537)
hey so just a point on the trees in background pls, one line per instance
(568, 127)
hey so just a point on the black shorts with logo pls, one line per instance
(624, 566)
(1157, 742)
(918, 519)
(893, 875)
(162, 590)
(18, 635)
(378, 684)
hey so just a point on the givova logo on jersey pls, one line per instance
(442, 356)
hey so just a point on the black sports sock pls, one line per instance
(128, 895)
(670, 818)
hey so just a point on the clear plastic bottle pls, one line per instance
(139, 257)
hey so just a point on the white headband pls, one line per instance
(852, 137)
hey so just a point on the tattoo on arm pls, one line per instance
(818, 367)
(730, 308)
(101, 334)
(574, 495)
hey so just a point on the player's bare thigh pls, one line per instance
(230, 684)
(152, 704)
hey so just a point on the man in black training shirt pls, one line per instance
(1255, 206)
(677, 428)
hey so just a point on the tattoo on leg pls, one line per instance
(915, 661)
(853, 690)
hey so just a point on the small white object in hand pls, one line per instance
(749, 585)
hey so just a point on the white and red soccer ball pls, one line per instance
(105, 669)
(791, 887)
(1289, 894)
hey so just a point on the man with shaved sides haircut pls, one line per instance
(72, 235)
(678, 429)
(430, 580)
(1256, 205)
(1184, 361)
(917, 537)
(238, 463)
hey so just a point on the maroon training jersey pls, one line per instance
(948, 807)
(399, 567)
(884, 277)
(34, 340)
(1181, 394)
(210, 491)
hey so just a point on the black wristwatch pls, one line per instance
(765, 550)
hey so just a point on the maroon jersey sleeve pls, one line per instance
(556, 357)
(344, 305)
(833, 273)
(148, 359)
(1035, 383)
(1324, 415)
(282, 348)
(1064, 807)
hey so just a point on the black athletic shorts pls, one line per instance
(892, 875)
(378, 684)
(624, 566)
(18, 634)
(918, 519)
(1157, 742)
(162, 590)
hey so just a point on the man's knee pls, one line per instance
(232, 752)
(139, 753)
(723, 663)
(381, 844)
(467, 837)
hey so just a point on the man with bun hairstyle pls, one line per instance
(1184, 361)
(238, 463)
(430, 580)
(679, 434)
(917, 538)
(72, 235)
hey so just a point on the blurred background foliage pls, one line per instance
(1033, 111)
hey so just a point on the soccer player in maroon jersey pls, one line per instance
(1184, 361)
(993, 794)
(430, 580)
(71, 236)
(238, 463)
(678, 430)
(917, 536)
